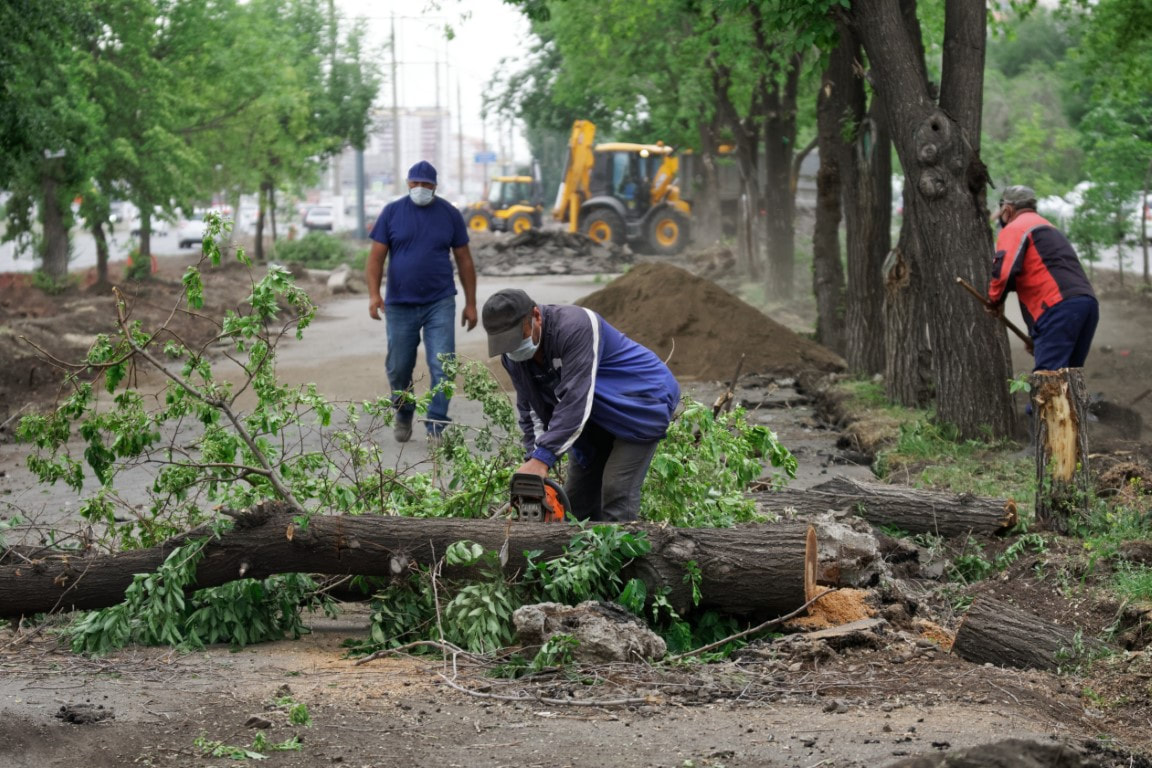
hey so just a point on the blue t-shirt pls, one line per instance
(420, 240)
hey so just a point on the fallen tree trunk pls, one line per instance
(909, 509)
(1002, 634)
(750, 570)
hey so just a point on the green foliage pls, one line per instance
(702, 467)
(161, 608)
(1133, 582)
(557, 651)
(315, 249)
(138, 268)
(972, 563)
(591, 566)
(51, 285)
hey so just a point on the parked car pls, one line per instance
(319, 217)
(190, 231)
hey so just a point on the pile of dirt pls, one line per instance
(548, 252)
(701, 329)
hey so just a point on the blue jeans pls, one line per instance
(404, 323)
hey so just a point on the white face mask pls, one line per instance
(525, 351)
(421, 195)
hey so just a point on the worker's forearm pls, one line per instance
(467, 270)
(374, 269)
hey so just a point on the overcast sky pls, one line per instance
(486, 32)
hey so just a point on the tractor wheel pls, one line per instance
(478, 221)
(604, 226)
(519, 223)
(667, 233)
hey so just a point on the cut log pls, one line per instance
(1000, 633)
(1060, 411)
(754, 570)
(908, 509)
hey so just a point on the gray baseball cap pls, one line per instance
(503, 318)
(1019, 196)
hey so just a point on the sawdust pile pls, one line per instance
(841, 607)
(702, 329)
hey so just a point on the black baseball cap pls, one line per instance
(503, 318)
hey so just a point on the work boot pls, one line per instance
(402, 430)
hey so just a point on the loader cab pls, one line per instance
(506, 191)
(513, 204)
(627, 172)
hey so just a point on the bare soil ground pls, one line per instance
(874, 700)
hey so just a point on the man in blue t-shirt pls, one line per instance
(418, 231)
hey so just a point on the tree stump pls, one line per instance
(1002, 634)
(1060, 425)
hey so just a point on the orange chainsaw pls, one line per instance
(538, 499)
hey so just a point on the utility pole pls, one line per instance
(396, 188)
(439, 120)
(459, 134)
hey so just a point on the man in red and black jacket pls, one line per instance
(1036, 260)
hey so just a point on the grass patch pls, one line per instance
(1133, 582)
(924, 453)
(319, 250)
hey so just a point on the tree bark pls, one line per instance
(908, 509)
(101, 239)
(827, 272)
(1060, 408)
(908, 358)
(971, 357)
(779, 202)
(994, 632)
(707, 220)
(867, 171)
(55, 257)
(749, 570)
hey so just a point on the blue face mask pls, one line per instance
(421, 195)
(525, 351)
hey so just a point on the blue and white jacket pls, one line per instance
(592, 372)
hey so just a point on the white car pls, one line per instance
(319, 217)
(191, 229)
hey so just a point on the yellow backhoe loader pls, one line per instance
(623, 193)
(513, 205)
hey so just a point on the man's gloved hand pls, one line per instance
(533, 467)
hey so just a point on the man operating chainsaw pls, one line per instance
(584, 389)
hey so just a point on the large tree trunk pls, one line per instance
(908, 358)
(971, 359)
(1063, 482)
(909, 509)
(867, 169)
(55, 257)
(779, 201)
(994, 632)
(749, 570)
(827, 272)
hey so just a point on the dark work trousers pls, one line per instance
(1063, 334)
(605, 475)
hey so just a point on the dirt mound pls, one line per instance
(701, 328)
(548, 252)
